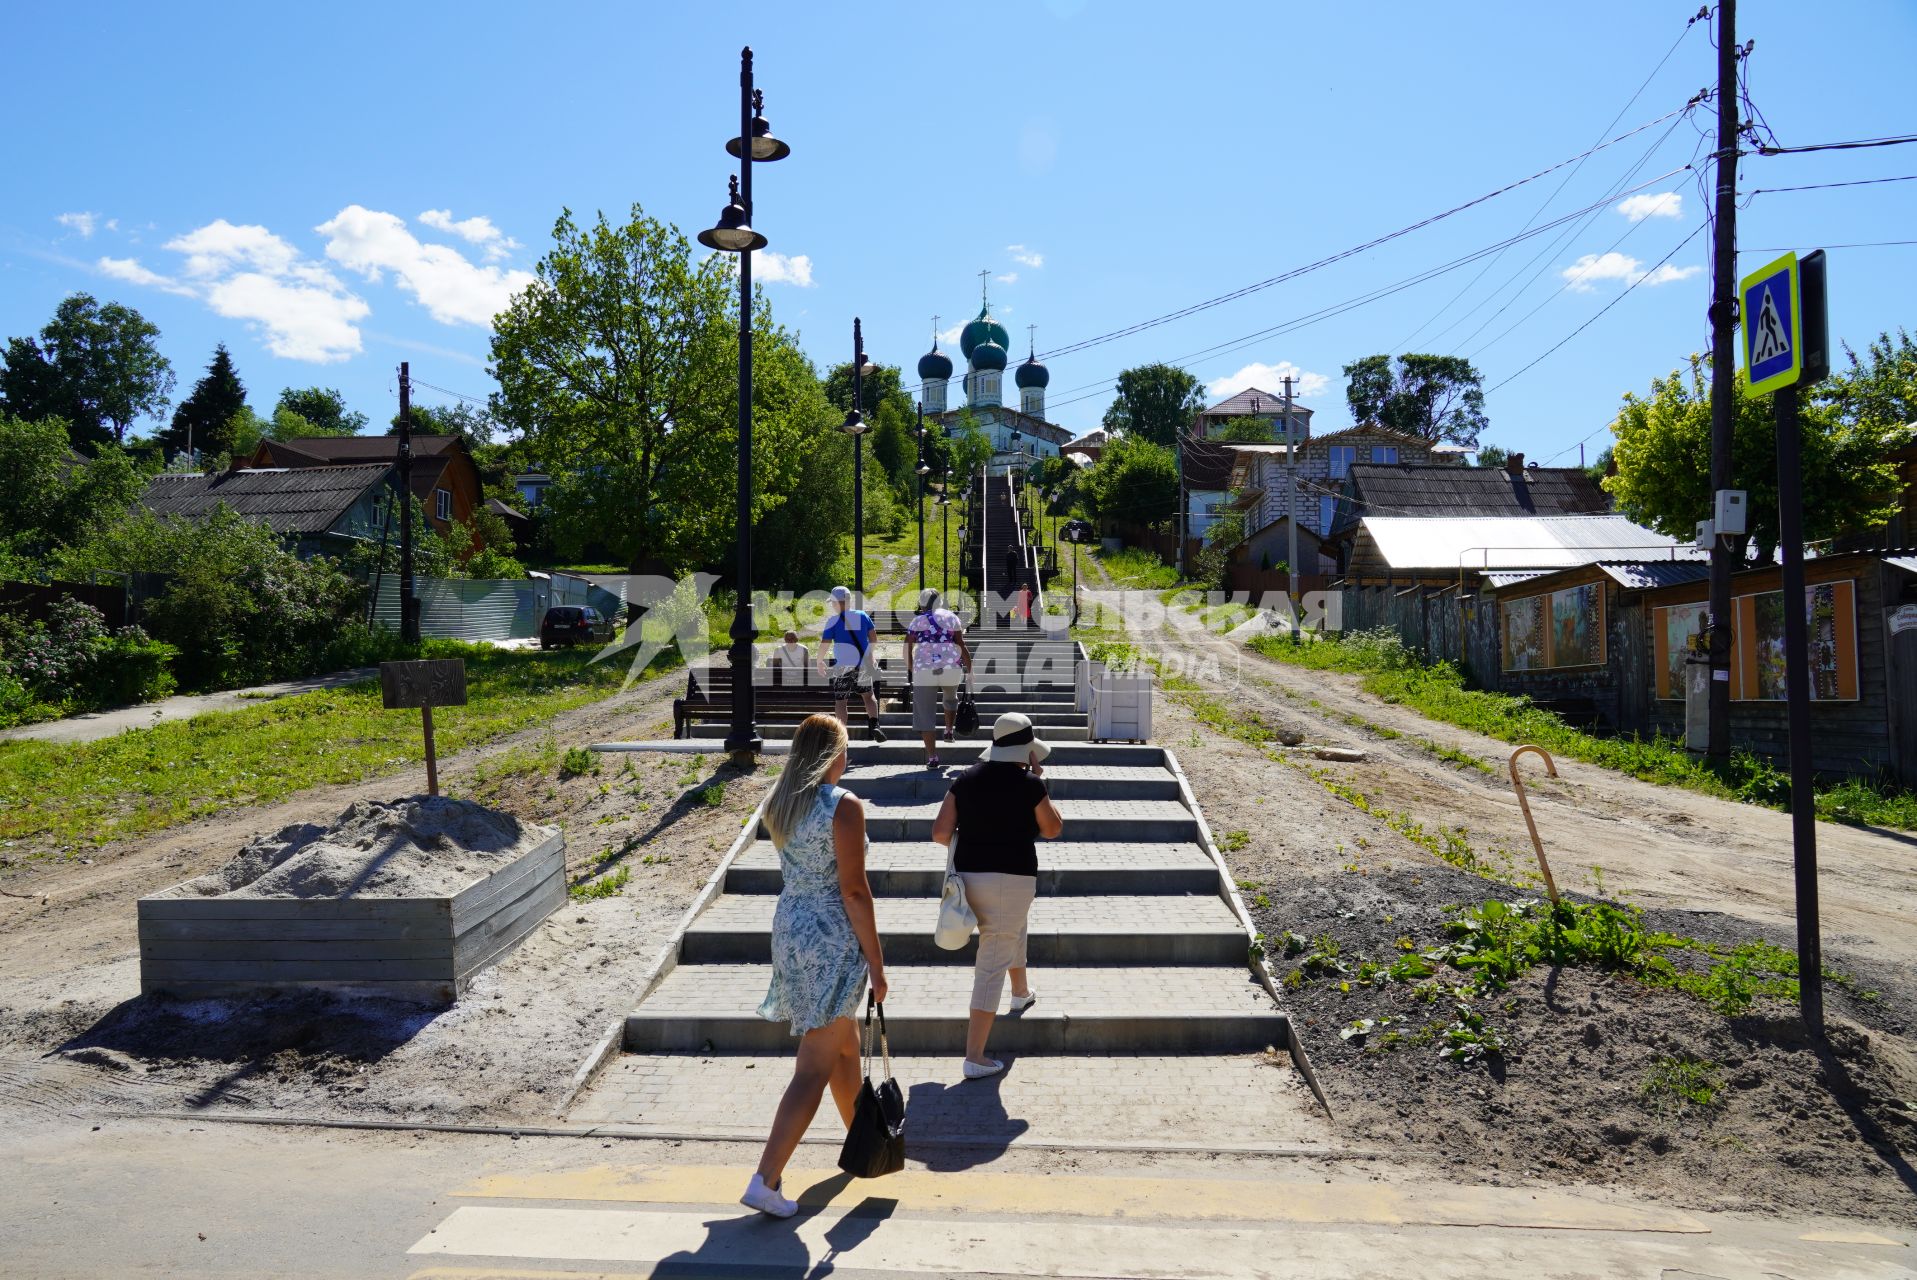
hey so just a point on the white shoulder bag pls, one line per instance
(956, 917)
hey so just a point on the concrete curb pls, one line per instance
(614, 1038)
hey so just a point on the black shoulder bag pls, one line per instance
(875, 1144)
(965, 718)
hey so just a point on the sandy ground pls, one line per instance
(75, 1037)
(1830, 1129)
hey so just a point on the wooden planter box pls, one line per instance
(422, 949)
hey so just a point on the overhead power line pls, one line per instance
(1857, 145)
(1826, 186)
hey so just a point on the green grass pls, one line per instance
(1390, 672)
(604, 887)
(1137, 568)
(56, 798)
(1682, 1081)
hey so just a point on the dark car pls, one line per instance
(1076, 531)
(574, 624)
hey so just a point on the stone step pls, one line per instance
(1182, 1010)
(777, 731)
(1137, 820)
(908, 750)
(1043, 720)
(915, 868)
(913, 781)
(1162, 929)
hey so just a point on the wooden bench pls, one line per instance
(779, 695)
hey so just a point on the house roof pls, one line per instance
(295, 500)
(499, 508)
(1451, 544)
(1094, 438)
(1207, 464)
(366, 448)
(1373, 429)
(1441, 489)
(1268, 404)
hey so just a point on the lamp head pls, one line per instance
(734, 233)
(854, 424)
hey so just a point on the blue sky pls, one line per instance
(332, 189)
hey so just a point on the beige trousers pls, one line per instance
(1002, 903)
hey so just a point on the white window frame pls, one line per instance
(443, 503)
(1341, 456)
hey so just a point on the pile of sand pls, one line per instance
(419, 847)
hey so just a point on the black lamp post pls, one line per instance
(734, 234)
(856, 426)
(945, 541)
(924, 470)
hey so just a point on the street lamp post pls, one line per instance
(923, 471)
(734, 234)
(945, 542)
(856, 426)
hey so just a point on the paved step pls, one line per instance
(1162, 929)
(776, 730)
(1136, 820)
(899, 751)
(1195, 1009)
(915, 868)
(914, 781)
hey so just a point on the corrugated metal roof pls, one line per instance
(1497, 581)
(300, 500)
(1445, 489)
(1438, 544)
(1907, 563)
(1642, 575)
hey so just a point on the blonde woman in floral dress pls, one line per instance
(825, 944)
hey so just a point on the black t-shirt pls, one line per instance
(997, 818)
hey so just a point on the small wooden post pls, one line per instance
(1517, 783)
(429, 683)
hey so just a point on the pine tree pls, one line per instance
(204, 419)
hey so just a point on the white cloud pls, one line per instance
(1025, 257)
(247, 273)
(1010, 277)
(452, 289)
(1269, 377)
(1669, 204)
(1582, 276)
(130, 270)
(769, 267)
(477, 230)
(84, 223)
(950, 337)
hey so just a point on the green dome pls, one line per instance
(935, 365)
(983, 329)
(988, 355)
(1033, 374)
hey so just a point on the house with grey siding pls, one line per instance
(1263, 487)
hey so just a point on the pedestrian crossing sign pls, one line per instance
(1773, 325)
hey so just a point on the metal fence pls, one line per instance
(491, 608)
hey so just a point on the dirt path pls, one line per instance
(74, 1037)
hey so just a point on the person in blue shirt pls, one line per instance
(851, 655)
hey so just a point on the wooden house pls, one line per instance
(445, 478)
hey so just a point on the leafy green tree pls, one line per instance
(1246, 430)
(469, 422)
(620, 366)
(967, 447)
(1880, 387)
(203, 421)
(48, 497)
(1601, 465)
(1135, 481)
(1492, 455)
(1432, 397)
(101, 370)
(1155, 402)
(1663, 460)
(324, 410)
(892, 418)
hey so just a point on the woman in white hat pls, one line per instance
(996, 810)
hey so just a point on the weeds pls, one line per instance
(1234, 841)
(713, 796)
(577, 763)
(1681, 1082)
(604, 887)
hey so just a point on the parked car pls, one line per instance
(574, 624)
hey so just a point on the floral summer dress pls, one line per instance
(818, 971)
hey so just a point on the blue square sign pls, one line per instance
(1773, 326)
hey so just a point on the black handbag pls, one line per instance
(965, 719)
(875, 1144)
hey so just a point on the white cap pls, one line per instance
(841, 594)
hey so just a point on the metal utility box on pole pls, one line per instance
(1723, 315)
(1786, 347)
(403, 481)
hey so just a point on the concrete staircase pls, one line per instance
(1137, 944)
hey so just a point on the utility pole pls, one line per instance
(1723, 371)
(1291, 505)
(403, 480)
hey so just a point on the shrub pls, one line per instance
(128, 668)
(70, 662)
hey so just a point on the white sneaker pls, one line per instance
(1021, 1003)
(973, 1071)
(767, 1200)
